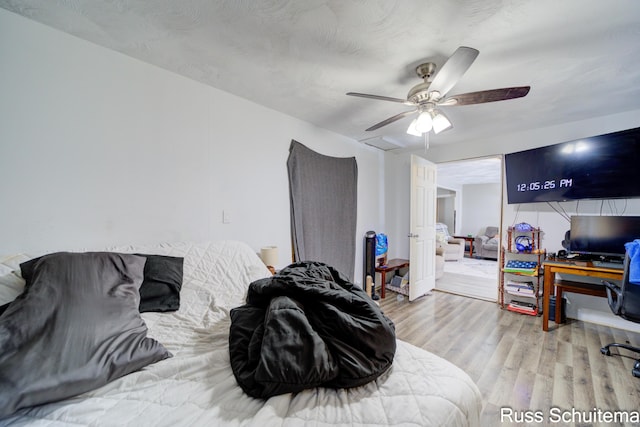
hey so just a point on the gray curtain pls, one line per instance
(323, 195)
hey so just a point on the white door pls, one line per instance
(422, 224)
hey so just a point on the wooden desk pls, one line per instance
(578, 268)
(393, 265)
(467, 239)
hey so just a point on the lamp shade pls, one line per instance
(440, 122)
(269, 255)
(424, 122)
(412, 129)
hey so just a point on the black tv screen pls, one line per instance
(601, 167)
(602, 235)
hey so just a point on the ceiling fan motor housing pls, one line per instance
(425, 70)
(420, 92)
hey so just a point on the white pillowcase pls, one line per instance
(11, 263)
(10, 287)
(11, 281)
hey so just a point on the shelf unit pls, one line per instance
(521, 285)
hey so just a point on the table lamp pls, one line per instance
(269, 255)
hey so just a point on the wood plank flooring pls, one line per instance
(459, 284)
(517, 365)
(456, 279)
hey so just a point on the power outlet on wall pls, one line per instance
(226, 216)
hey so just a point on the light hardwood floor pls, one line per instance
(517, 365)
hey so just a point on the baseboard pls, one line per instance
(600, 318)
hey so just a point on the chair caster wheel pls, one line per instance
(605, 351)
(636, 369)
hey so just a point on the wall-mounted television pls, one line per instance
(600, 167)
(602, 236)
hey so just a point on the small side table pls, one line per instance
(392, 265)
(470, 240)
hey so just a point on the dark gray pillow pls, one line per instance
(75, 328)
(160, 290)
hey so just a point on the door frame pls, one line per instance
(460, 217)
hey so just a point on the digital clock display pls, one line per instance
(551, 184)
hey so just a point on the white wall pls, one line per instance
(396, 189)
(97, 149)
(454, 207)
(480, 207)
(446, 211)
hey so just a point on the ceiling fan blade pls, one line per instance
(391, 119)
(380, 98)
(453, 69)
(486, 96)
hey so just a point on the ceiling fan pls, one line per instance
(432, 93)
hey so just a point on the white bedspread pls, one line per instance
(197, 387)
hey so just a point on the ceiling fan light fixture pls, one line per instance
(412, 130)
(424, 122)
(440, 122)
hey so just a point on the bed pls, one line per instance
(196, 386)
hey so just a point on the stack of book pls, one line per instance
(529, 268)
(519, 288)
(523, 307)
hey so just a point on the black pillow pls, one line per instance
(160, 290)
(75, 328)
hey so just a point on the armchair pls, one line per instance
(624, 301)
(486, 245)
(452, 248)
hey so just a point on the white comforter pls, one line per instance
(197, 387)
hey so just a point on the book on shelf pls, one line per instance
(522, 305)
(528, 268)
(521, 293)
(518, 264)
(520, 284)
(522, 311)
(524, 288)
(522, 271)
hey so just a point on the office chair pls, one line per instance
(624, 301)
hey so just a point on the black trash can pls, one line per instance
(552, 309)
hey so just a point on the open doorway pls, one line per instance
(469, 201)
(446, 207)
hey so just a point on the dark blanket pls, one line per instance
(308, 326)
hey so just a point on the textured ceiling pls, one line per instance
(580, 57)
